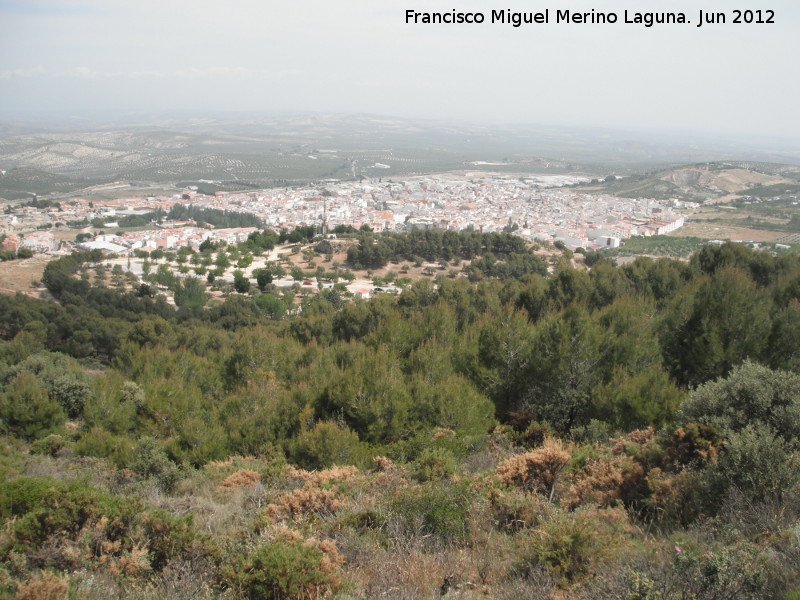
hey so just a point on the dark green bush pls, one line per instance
(27, 410)
(25, 494)
(71, 393)
(102, 444)
(152, 461)
(328, 444)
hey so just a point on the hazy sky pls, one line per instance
(361, 56)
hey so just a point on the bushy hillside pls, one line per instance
(622, 432)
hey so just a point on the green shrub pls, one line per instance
(565, 546)
(27, 410)
(168, 536)
(152, 462)
(434, 464)
(433, 509)
(514, 510)
(114, 405)
(62, 376)
(736, 572)
(328, 444)
(757, 462)
(45, 507)
(25, 494)
(102, 444)
(571, 545)
(49, 445)
(750, 394)
(287, 570)
(12, 457)
(71, 393)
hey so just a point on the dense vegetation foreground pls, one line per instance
(623, 432)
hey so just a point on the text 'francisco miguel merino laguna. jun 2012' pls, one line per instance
(592, 17)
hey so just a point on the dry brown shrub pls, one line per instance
(695, 443)
(381, 464)
(639, 437)
(134, 563)
(331, 558)
(335, 473)
(388, 482)
(7, 536)
(280, 531)
(607, 482)
(675, 498)
(43, 586)
(536, 470)
(305, 501)
(442, 432)
(108, 547)
(241, 478)
(94, 535)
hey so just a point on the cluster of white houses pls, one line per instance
(457, 201)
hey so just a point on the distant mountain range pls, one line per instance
(245, 152)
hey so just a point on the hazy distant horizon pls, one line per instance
(199, 121)
(356, 56)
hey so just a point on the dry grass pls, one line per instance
(234, 460)
(415, 574)
(410, 569)
(17, 275)
(315, 478)
(722, 231)
(442, 432)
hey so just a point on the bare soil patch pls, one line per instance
(722, 231)
(17, 275)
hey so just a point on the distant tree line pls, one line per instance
(213, 216)
(432, 245)
(613, 343)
